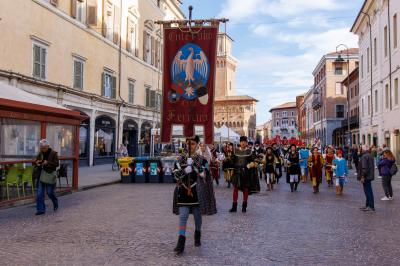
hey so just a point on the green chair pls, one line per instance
(27, 179)
(13, 179)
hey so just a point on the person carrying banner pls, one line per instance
(269, 162)
(228, 163)
(329, 157)
(278, 165)
(293, 167)
(241, 177)
(194, 192)
(304, 155)
(315, 164)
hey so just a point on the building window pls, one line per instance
(387, 96)
(277, 114)
(368, 55)
(150, 98)
(375, 52)
(81, 11)
(292, 122)
(396, 91)
(369, 104)
(131, 38)
(395, 31)
(39, 61)
(339, 88)
(292, 113)
(78, 74)
(131, 87)
(109, 85)
(338, 70)
(340, 111)
(376, 101)
(362, 107)
(284, 114)
(385, 40)
(362, 66)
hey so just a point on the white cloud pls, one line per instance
(239, 9)
(322, 42)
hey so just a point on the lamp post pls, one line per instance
(339, 59)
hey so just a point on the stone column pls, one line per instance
(91, 134)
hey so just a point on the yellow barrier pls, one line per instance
(124, 163)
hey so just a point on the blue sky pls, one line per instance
(279, 42)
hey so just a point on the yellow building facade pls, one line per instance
(100, 57)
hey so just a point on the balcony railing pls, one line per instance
(316, 103)
(354, 121)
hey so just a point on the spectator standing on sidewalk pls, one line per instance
(355, 157)
(384, 166)
(366, 176)
(46, 162)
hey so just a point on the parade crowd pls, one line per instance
(244, 166)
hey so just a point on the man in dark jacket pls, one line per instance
(366, 175)
(47, 161)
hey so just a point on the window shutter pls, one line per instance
(54, 2)
(92, 11)
(117, 22)
(156, 53)
(36, 61)
(152, 99)
(152, 50)
(113, 87)
(128, 36)
(43, 63)
(145, 46)
(147, 97)
(78, 79)
(73, 8)
(103, 76)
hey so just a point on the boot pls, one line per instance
(296, 185)
(291, 187)
(341, 190)
(197, 237)
(180, 246)
(244, 207)
(314, 190)
(234, 207)
(337, 190)
(229, 184)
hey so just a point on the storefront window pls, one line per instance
(84, 139)
(19, 139)
(104, 137)
(61, 138)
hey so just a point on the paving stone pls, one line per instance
(133, 224)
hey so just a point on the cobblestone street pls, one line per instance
(133, 225)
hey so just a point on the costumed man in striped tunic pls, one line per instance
(228, 164)
(194, 192)
(315, 164)
(241, 177)
(269, 162)
(329, 157)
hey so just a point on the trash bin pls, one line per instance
(125, 169)
(140, 170)
(167, 164)
(154, 170)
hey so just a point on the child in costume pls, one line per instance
(315, 164)
(304, 155)
(228, 163)
(341, 171)
(329, 157)
(293, 167)
(269, 162)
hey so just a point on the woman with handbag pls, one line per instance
(47, 162)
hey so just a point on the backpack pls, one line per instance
(393, 170)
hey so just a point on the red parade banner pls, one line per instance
(189, 75)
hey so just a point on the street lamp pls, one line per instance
(340, 59)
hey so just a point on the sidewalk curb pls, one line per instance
(88, 187)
